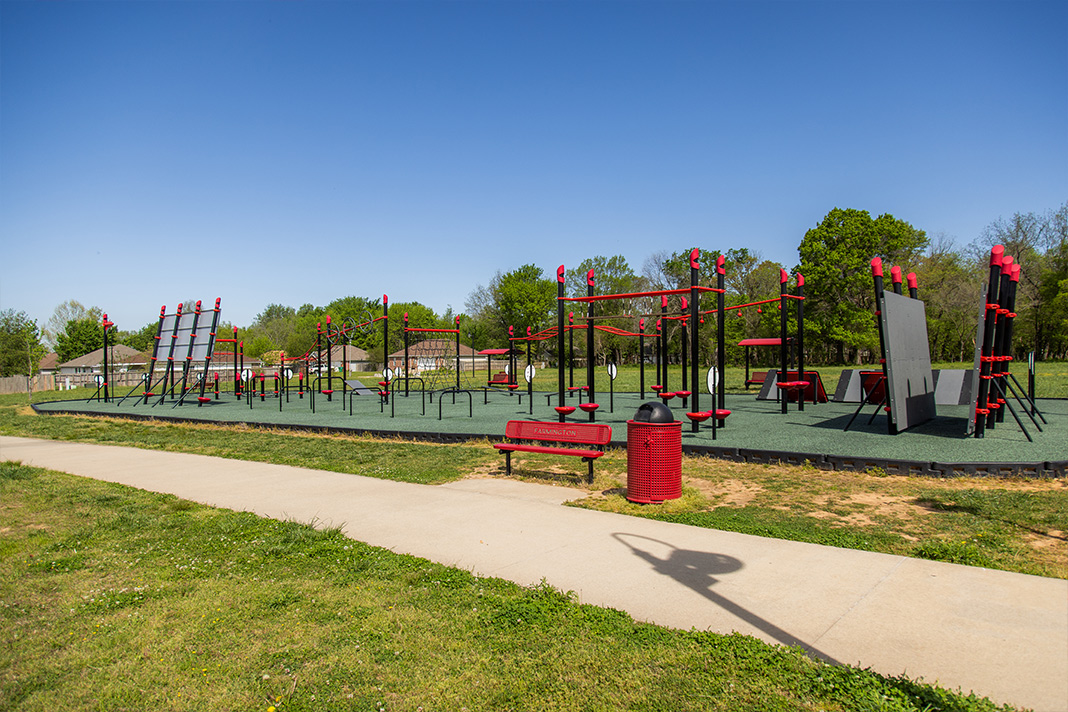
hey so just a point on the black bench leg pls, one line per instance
(589, 476)
(508, 463)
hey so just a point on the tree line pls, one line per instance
(834, 257)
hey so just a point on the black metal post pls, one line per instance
(721, 330)
(591, 380)
(695, 384)
(559, 342)
(801, 343)
(641, 356)
(570, 350)
(783, 378)
(989, 325)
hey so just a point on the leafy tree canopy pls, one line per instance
(520, 298)
(20, 344)
(79, 337)
(835, 260)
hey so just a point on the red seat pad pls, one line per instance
(548, 450)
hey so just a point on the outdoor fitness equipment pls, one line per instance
(906, 382)
(179, 333)
(994, 352)
(693, 293)
(103, 381)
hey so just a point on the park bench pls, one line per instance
(499, 379)
(756, 379)
(525, 434)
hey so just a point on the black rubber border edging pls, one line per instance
(848, 463)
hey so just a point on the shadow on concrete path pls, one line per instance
(697, 570)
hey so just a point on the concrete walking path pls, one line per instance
(999, 634)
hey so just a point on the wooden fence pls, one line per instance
(21, 384)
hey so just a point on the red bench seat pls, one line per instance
(529, 432)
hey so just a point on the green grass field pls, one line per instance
(116, 599)
(113, 598)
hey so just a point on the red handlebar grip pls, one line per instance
(912, 280)
(895, 274)
(876, 267)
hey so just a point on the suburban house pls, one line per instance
(121, 359)
(432, 355)
(49, 364)
(123, 362)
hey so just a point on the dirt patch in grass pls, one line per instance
(725, 493)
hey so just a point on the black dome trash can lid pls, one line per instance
(653, 412)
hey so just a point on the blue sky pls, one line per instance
(291, 152)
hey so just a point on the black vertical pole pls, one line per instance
(721, 330)
(801, 343)
(877, 279)
(319, 351)
(663, 326)
(237, 376)
(385, 347)
(512, 378)
(1001, 345)
(659, 356)
(684, 346)
(695, 383)
(989, 325)
(457, 352)
(591, 394)
(641, 356)
(407, 363)
(783, 395)
(530, 381)
(106, 324)
(329, 362)
(559, 339)
(570, 350)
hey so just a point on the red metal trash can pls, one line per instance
(654, 456)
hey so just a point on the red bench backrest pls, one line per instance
(578, 433)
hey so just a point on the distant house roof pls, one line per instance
(119, 354)
(434, 347)
(348, 353)
(50, 362)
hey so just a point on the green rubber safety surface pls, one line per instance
(753, 424)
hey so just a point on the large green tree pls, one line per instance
(79, 337)
(520, 298)
(949, 287)
(612, 275)
(1039, 243)
(20, 344)
(835, 260)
